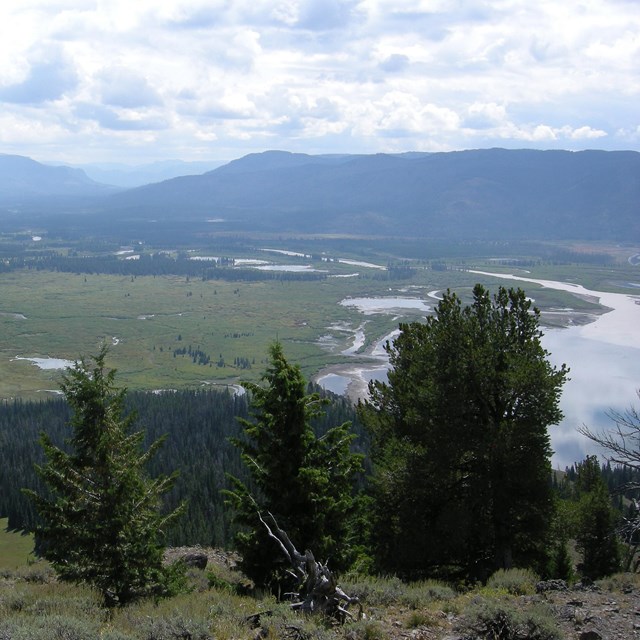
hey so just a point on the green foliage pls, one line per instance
(376, 591)
(200, 421)
(497, 619)
(561, 562)
(101, 520)
(517, 582)
(460, 440)
(304, 480)
(596, 520)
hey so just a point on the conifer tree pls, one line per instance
(460, 441)
(101, 518)
(596, 538)
(303, 480)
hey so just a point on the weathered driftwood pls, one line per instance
(318, 591)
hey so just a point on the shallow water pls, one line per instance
(391, 304)
(293, 268)
(48, 363)
(604, 358)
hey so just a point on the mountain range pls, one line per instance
(487, 193)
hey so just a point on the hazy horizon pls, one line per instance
(84, 82)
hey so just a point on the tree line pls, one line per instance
(197, 425)
(443, 472)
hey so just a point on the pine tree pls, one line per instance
(101, 519)
(305, 481)
(596, 539)
(460, 440)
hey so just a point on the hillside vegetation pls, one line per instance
(34, 605)
(490, 194)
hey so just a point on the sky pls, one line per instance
(137, 81)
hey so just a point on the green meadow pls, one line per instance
(151, 320)
(15, 548)
(146, 319)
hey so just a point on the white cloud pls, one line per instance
(46, 75)
(584, 133)
(122, 87)
(363, 74)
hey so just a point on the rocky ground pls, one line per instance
(596, 614)
(607, 610)
(579, 614)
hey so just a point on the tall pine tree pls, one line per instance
(101, 519)
(596, 521)
(305, 481)
(460, 440)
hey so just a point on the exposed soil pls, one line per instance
(592, 614)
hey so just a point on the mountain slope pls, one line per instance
(127, 176)
(25, 180)
(481, 193)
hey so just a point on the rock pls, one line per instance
(591, 634)
(551, 585)
(195, 559)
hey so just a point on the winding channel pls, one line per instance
(603, 357)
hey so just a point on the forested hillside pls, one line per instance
(491, 193)
(495, 194)
(198, 425)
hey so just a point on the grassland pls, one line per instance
(15, 548)
(34, 605)
(60, 315)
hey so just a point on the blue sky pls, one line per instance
(143, 80)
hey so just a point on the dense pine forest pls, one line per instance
(198, 425)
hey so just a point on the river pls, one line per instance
(604, 358)
(603, 355)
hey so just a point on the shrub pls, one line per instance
(422, 619)
(375, 590)
(419, 594)
(621, 582)
(175, 628)
(517, 582)
(502, 620)
(367, 630)
(48, 627)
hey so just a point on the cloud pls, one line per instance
(481, 115)
(120, 121)
(368, 75)
(583, 133)
(320, 15)
(47, 79)
(125, 88)
(394, 63)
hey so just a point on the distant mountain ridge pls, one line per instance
(126, 176)
(476, 194)
(25, 180)
(480, 193)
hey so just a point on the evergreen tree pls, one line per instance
(102, 521)
(596, 539)
(305, 481)
(460, 440)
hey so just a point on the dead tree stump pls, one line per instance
(318, 592)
